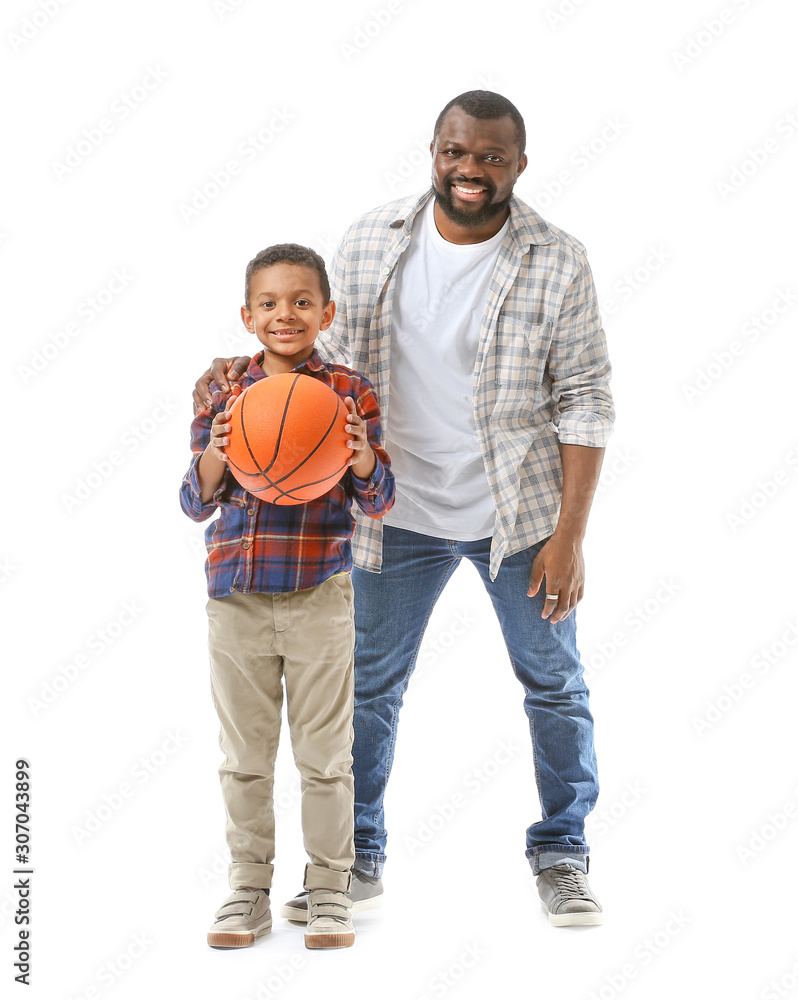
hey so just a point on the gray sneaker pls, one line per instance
(566, 896)
(242, 917)
(365, 893)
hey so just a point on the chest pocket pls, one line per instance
(538, 342)
(522, 350)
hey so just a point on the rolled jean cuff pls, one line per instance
(250, 875)
(368, 864)
(579, 858)
(317, 877)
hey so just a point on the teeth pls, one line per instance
(469, 190)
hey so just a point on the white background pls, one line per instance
(689, 614)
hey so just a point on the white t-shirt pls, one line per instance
(439, 302)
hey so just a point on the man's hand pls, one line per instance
(560, 561)
(223, 371)
(363, 461)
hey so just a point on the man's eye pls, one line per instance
(451, 152)
(493, 158)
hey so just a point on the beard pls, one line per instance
(470, 218)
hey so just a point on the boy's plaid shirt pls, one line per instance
(259, 547)
(542, 371)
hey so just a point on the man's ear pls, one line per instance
(521, 165)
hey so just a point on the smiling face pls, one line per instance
(475, 164)
(286, 311)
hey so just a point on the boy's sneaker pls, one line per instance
(330, 923)
(242, 917)
(566, 896)
(365, 893)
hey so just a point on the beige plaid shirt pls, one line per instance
(541, 374)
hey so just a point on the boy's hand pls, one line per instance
(363, 461)
(220, 428)
(222, 371)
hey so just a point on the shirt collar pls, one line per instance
(526, 226)
(313, 363)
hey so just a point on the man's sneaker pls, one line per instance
(330, 923)
(365, 893)
(567, 897)
(242, 917)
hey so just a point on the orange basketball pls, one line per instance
(288, 444)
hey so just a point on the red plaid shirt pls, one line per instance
(259, 547)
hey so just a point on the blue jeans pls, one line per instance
(392, 609)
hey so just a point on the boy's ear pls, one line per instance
(246, 319)
(327, 316)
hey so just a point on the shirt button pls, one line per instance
(245, 545)
(386, 271)
(251, 510)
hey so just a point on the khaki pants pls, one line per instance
(256, 640)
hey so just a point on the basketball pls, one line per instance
(288, 444)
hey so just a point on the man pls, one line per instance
(495, 416)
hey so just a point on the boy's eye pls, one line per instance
(301, 302)
(268, 304)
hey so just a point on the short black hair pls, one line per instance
(288, 253)
(486, 104)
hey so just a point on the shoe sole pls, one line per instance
(237, 939)
(585, 919)
(300, 915)
(330, 940)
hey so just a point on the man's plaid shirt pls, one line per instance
(541, 375)
(259, 547)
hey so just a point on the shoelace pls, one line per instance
(570, 882)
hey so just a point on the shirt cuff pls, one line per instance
(196, 493)
(590, 431)
(372, 486)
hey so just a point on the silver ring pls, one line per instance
(552, 597)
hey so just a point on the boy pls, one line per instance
(280, 605)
